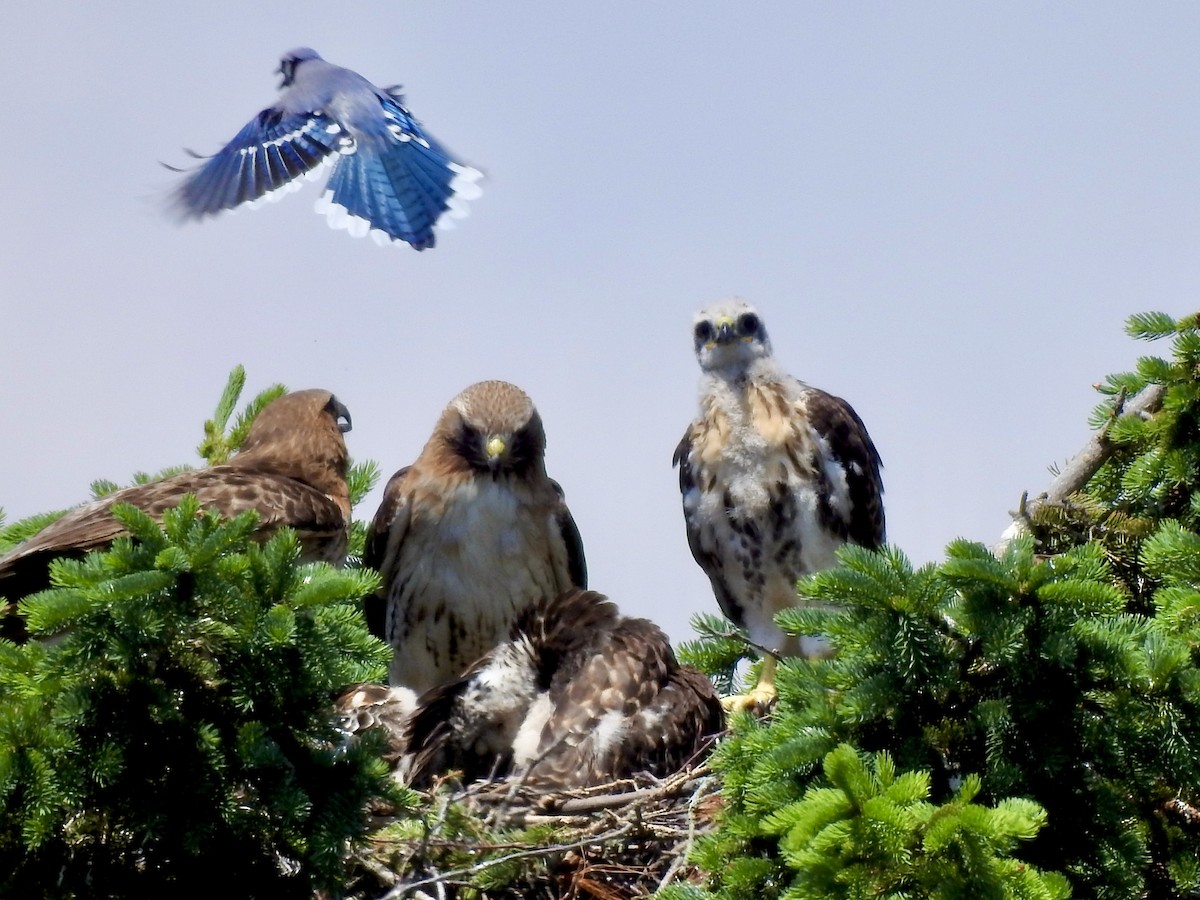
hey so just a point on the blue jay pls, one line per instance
(390, 179)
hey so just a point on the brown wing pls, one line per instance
(368, 706)
(318, 520)
(576, 563)
(615, 703)
(620, 703)
(376, 555)
(834, 418)
(469, 723)
(707, 560)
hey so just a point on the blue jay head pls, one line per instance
(729, 335)
(291, 59)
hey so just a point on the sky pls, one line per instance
(943, 211)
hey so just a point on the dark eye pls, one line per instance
(748, 323)
(704, 332)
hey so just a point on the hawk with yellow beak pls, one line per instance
(776, 476)
(468, 537)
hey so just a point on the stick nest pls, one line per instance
(508, 839)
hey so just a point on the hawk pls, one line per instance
(578, 695)
(776, 476)
(389, 178)
(468, 536)
(291, 470)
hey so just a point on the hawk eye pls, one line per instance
(748, 323)
(704, 332)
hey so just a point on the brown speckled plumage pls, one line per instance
(775, 476)
(291, 469)
(577, 695)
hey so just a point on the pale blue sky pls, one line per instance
(944, 212)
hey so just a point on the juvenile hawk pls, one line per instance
(577, 695)
(776, 476)
(291, 469)
(468, 537)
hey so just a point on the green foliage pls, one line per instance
(864, 830)
(1046, 700)
(171, 727)
(17, 532)
(1153, 472)
(176, 732)
(719, 650)
(361, 480)
(220, 441)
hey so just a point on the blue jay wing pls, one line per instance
(269, 153)
(398, 184)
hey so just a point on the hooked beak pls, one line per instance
(724, 333)
(496, 453)
(495, 450)
(340, 413)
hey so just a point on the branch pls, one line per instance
(1084, 464)
(668, 788)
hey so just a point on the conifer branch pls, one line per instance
(1084, 464)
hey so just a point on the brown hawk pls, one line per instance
(291, 470)
(469, 536)
(776, 476)
(578, 695)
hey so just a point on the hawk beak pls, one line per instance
(724, 330)
(341, 415)
(495, 448)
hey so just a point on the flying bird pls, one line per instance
(469, 536)
(578, 695)
(776, 476)
(291, 469)
(389, 179)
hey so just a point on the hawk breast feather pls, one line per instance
(771, 486)
(468, 537)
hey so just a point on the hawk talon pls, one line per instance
(760, 700)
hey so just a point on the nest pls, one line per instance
(507, 839)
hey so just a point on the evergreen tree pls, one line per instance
(1047, 693)
(174, 730)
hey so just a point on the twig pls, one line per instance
(630, 798)
(682, 854)
(443, 877)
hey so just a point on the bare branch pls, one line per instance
(1084, 464)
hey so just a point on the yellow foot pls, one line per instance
(757, 701)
